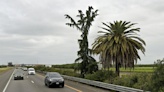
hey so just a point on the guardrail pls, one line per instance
(100, 84)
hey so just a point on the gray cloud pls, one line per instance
(34, 31)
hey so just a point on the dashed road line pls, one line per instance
(32, 81)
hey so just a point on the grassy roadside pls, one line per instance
(5, 69)
(136, 69)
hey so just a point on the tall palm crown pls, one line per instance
(119, 44)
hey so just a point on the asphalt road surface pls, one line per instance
(4, 77)
(35, 83)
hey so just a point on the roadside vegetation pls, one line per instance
(134, 80)
(149, 81)
(137, 68)
(3, 69)
(69, 72)
(3, 66)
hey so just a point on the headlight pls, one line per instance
(15, 75)
(62, 79)
(50, 79)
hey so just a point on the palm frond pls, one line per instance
(138, 39)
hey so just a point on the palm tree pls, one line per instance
(119, 44)
(88, 63)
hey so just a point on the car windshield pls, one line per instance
(55, 75)
(18, 73)
(31, 69)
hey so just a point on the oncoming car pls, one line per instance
(54, 79)
(31, 71)
(18, 75)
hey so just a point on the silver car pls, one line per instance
(54, 79)
(18, 75)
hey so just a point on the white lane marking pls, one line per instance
(32, 81)
(27, 76)
(8, 82)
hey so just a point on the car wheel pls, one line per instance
(45, 83)
(22, 78)
(48, 85)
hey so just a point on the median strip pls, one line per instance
(64, 85)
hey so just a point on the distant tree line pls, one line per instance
(2, 66)
(145, 65)
(71, 66)
(74, 65)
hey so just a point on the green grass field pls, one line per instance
(4, 69)
(136, 69)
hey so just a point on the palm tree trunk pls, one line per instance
(108, 69)
(117, 68)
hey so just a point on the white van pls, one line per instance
(31, 71)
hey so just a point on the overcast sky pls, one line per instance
(34, 31)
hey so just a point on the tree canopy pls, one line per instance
(119, 44)
(88, 63)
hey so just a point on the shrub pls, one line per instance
(3, 66)
(134, 78)
(52, 69)
(143, 81)
(101, 76)
(90, 77)
(65, 66)
(158, 77)
(118, 81)
(66, 72)
(39, 67)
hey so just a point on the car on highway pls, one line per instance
(53, 79)
(18, 75)
(24, 68)
(31, 71)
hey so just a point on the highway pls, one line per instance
(4, 77)
(35, 83)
